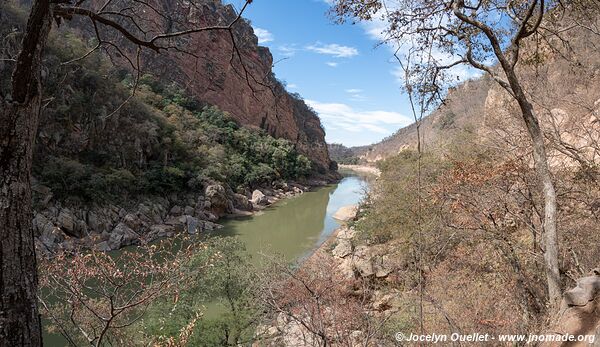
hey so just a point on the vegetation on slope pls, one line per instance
(342, 154)
(93, 148)
(475, 231)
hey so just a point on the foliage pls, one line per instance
(394, 208)
(323, 307)
(159, 142)
(228, 288)
(94, 298)
(478, 219)
(342, 154)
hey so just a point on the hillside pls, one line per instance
(109, 172)
(462, 224)
(463, 108)
(562, 95)
(237, 79)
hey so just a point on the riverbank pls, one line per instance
(349, 213)
(61, 227)
(363, 169)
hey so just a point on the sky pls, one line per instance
(340, 70)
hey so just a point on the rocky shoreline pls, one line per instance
(352, 260)
(60, 228)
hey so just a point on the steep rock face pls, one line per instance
(243, 85)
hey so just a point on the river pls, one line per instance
(294, 227)
(291, 228)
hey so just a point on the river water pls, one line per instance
(292, 228)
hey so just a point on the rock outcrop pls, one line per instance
(346, 213)
(258, 99)
(579, 316)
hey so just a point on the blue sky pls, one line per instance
(337, 69)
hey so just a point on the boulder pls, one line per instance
(383, 266)
(579, 314)
(343, 248)
(346, 268)
(219, 203)
(66, 221)
(99, 222)
(41, 224)
(210, 226)
(52, 237)
(586, 290)
(122, 236)
(185, 223)
(258, 198)
(241, 202)
(346, 213)
(175, 211)
(152, 212)
(211, 216)
(159, 231)
(192, 226)
(102, 247)
(188, 210)
(133, 222)
(346, 233)
(363, 261)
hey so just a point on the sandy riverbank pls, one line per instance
(371, 170)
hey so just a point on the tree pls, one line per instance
(95, 298)
(124, 27)
(316, 306)
(433, 37)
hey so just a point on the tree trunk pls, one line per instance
(19, 318)
(550, 236)
(540, 161)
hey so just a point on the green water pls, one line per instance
(291, 228)
(294, 227)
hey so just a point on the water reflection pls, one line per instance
(294, 227)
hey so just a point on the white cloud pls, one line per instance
(376, 30)
(332, 64)
(354, 91)
(356, 94)
(333, 49)
(263, 35)
(344, 117)
(287, 50)
(292, 86)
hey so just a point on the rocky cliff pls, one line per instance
(242, 84)
(109, 173)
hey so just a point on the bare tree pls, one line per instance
(129, 23)
(315, 306)
(489, 36)
(93, 298)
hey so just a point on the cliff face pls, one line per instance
(242, 84)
